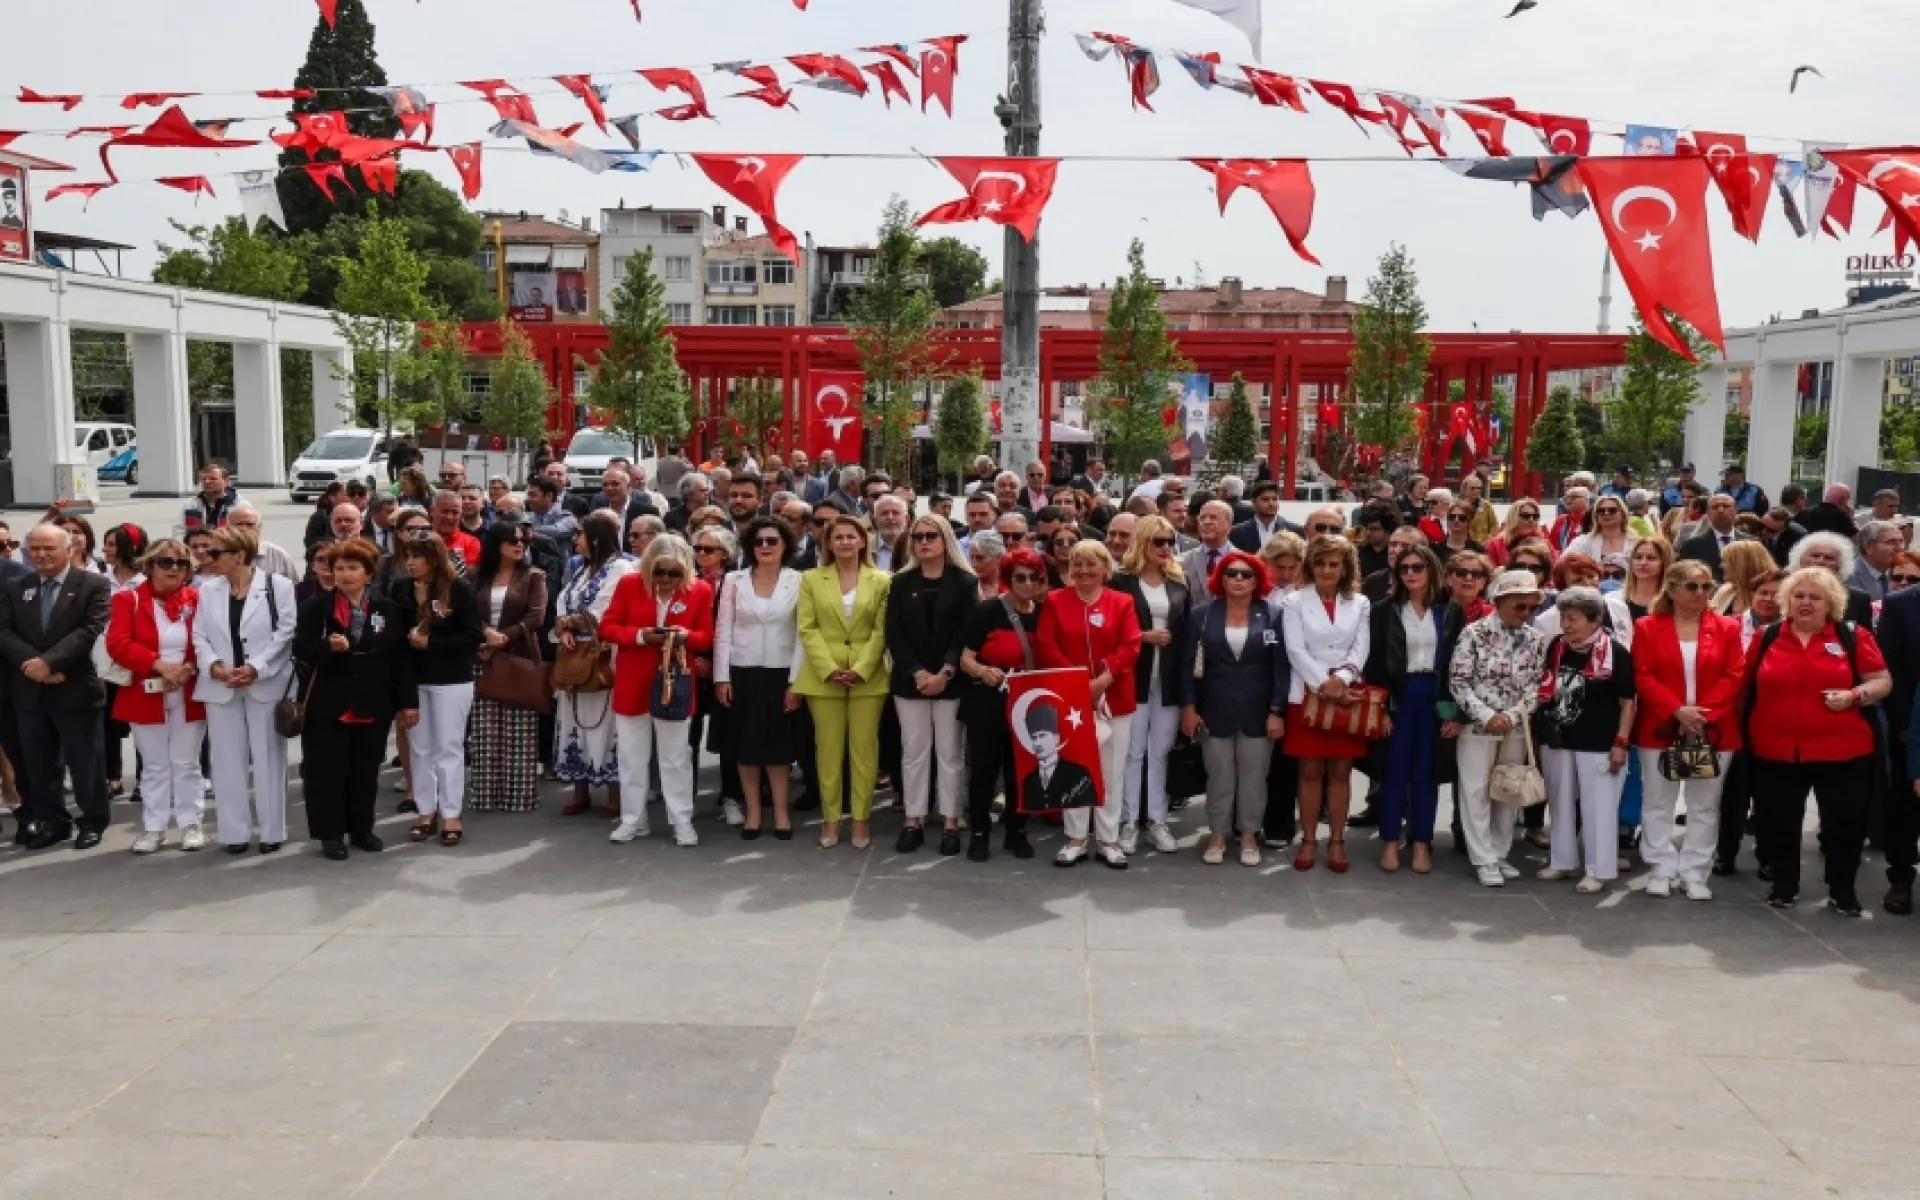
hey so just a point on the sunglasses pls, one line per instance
(669, 573)
(7, 547)
(1905, 578)
(1694, 585)
(1413, 568)
(1524, 607)
(924, 535)
(1469, 574)
(708, 550)
(179, 564)
(1613, 573)
(1026, 577)
(1326, 529)
(764, 542)
(818, 521)
(1164, 543)
(1237, 573)
(211, 552)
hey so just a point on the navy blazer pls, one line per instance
(1237, 694)
(1898, 633)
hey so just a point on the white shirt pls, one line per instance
(1237, 639)
(1423, 640)
(173, 648)
(846, 601)
(1157, 604)
(757, 631)
(496, 605)
(1689, 656)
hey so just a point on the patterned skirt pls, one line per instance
(502, 756)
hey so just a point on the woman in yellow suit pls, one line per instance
(842, 617)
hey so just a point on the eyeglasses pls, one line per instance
(417, 532)
(763, 543)
(1164, 543)
(1236, 573)
(1064, 543)
(669, 573)
(1905, 578)
(1026, 577)
(1613, 573)
(1456, 517)
(1694, 585)
(211, 552)
(1540, 569)
(1413, 568)
(924, 535)
(179, 564)
(1326, 529)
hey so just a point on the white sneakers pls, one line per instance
(1160, 836)
(1590, 885)
(1213, 856)
(1551, 874)
(152, 841)
(735, 814)
(683, 834)
(1249, 856)
(1508, 870)
(1491, 877)
(1659, 886)
(192, 838)
(1129, 837)
(628, 830)
(149, 842)
(1698, 891)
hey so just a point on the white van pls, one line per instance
(100, 442)
(593, 448)
(341, 456)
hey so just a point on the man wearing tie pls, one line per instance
(1879, 542)
(49, 622)
(1715, 535)
(1216, 523)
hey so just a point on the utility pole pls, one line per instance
(1019, 113)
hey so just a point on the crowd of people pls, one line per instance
(1660, 672)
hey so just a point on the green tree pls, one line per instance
(438, 228)
(102, 364)
(960, 424)
(1139, 365)
(434, 376)
(1646, 421)
(891, 322)
(1593, 435)
(1390, 354)
(756, 415)
(1239, 438)
(1556, 448)
(956, 272)
(381, 299)
(637, 388)
(1810, 436)
(516, 405)
(341, 65)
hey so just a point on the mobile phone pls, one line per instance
(154, 687)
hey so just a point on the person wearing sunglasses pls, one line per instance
(756, 638)
(1457, 539)
(715, 552)
(1410, 648)
(1153, 577)
(1482, 523)
(1612, 538)
(927, 605)
(1058, 548)
(1904, 573)
(1327, 637)
(1831, 552)
(1495, 678)
(585, 753)
(503, 741)
(150, 634)
(998, 640)
(1523, 524)
(842, 622)
(1575, 519)
(1468, 575)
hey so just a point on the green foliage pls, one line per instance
(1390, 354)
(1810, 436)
(1900, 436)
(956, 272)
(1593, 435)
(1647, 420)
(960, 424)
(891, 322)
(516, 406)
(637, 389)
(102, 375)
(230, 257)
(296, 402)
(1139, 365)
(756, 416)
(1239, 438)
(1556, 447)
(434, 376)
(438, 228)
(381, 298)
(340, 57)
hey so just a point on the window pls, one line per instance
(680, 314)
(777, 314)
(122, 436)
(733, 314)
(620, 262)
(479, 384)
(485, 260)
(679, 267)
(776, 271)
(730, 270)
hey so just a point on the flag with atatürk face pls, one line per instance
(1056, 742)
(1555, 186)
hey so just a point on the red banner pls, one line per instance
(1056, 747)
(834, 414)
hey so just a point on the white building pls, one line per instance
(678, 238)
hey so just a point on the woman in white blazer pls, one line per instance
(245, 652)
(1328, 637)
(756, 657)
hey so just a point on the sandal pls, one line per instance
(1422, 858)
(575, 807)
(1309, 850)
(451, 837)
(1337, 856)
(422, 830)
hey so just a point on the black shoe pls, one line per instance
(24, 831)
(86, 839)
(1176, 803)
(950, 843)
(980, 847)
(337, 851)
(1724, 867)
(269, 847)
(239, 848)
(749, 835)
(1764, 872)
(1366, 818)
(40, 839)
(1846, 904)
(1017, 844)
(783, 835)
(408, 806)
(369, 844)
(911, 839)
(1899, 899)
(1780, 899)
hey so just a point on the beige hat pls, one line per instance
(1513, 583)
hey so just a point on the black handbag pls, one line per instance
(1186, 770)
(673, 693)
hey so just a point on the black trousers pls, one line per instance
(1841, 790)
(1903, 823)
(1283, 797)
(990, 770)
(342, 774)
(16, 754)
(52, 738)
(1736, 807)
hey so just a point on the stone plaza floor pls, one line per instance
(539, 1013)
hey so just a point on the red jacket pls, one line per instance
(635, 665)
(1790, 722)
(1659, 676)
(133, 641)
(1104, 634)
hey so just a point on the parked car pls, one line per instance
(100, 442)
(340, 456)
(124, 468)
(593, 448)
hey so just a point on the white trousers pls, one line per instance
(637, 739)
(439, 744)
(1154, 728)
(1583, 798)
(1692, 860)
(171, 787)
(1488, 826)
(241, 733)
(930, 744)
(1105, 820)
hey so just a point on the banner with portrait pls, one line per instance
(1056, 742)
(1651, 141)
(532, 295)
(16, 232)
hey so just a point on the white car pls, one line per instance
(593, 448)
(340, 456)
(98, 443)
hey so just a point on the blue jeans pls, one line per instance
(1410, 793)
(1630, 794)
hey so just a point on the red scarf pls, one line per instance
(175, 604)
(1599, 651)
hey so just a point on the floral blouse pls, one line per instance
(1497, 670)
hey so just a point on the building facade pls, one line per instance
(749, 282)
(678, 238)
(544, 271)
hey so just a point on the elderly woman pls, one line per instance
(150, 634)
(503, 742)
(244, 643)
(1468, 576)
(1813, 676)
(1573, 519)
(1523, 524)
(1151, 574)
(1689, 681)
(444, 630)
(1411, 647)
(1087, 624)
(985, 550)
(1582, 724)
(585, 753)
(1327, 635)
(927, 605)
(842, 621)
(1577, 570)
(1613, 537)
(1835, 554)
(755, 658)
(998, 640)
(1495, 676)
(1640, 518)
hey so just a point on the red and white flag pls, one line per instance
(1285, 184)
(1744, 180)
(1491, 131)
(833, 418)
(1895, 176)
(1007, 191)
(939, 66)
(1273, 89)
(1654, 213)
(1056, 741)
(466, 160)
(754, 180)
(1566, 135)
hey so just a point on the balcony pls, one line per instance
(733, 289)
(854, 279)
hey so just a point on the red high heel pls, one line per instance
(1337, 856)
(1309, 849)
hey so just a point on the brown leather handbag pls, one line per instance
(516, 681)
(585, 667)
(1364, 715)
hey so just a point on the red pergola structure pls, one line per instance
(1290, 361)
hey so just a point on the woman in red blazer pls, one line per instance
(1086, 624)
(1689, 668)
(150, 633)
(659, 609)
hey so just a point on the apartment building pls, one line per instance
(551, 271)
(749, 282)
(678, 238)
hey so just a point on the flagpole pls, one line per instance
(1019, 113)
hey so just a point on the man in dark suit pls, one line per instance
(1055, 782)
(617, 494)
(1898, 633)
(1716, 534)
(1783, 532)
(1834, 513)
(49, 622)
(1267, 521)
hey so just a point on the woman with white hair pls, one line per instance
(1572, 521)
(1583, 724)
(1831, 552)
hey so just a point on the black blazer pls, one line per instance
(1387, 648)
(1899, 636)
(1246, 535)
(1179, 603)
(923, 627)
(453, 638)
(65, 645)
(1705, 548)
(374, 678)
(1237, 694)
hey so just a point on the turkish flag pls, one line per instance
(327, 10)
(1347, 101)
(754, 180)
(1056, 742)
(466, 160)
(1399, 116)
(834, 414)
(154, 99)
(939, 65)
(1273, 89)
(830, 66)
(1654, 212)
(322, 175)
(314, 132)
(171, 130)
(193, 185)
(1007, 191)
(890, 84)
(1742, 183)
(88, 190)
(1894, 175)
(1566, 135)
(1285, 184)
(669, 78)
(1490, 130)
(582, 86)
(66, 103)
(381, 174)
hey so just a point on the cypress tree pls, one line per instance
(341, 57)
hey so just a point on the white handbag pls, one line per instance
(1518, 783)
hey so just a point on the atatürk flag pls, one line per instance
(1007, 191)
(1285, 184)
(1654, 212)
(1056, 743)
(754, 180)
(1555, 187)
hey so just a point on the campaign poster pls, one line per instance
(1788, 174)
(1192, 403)
(533, 295)
(570, 291)
(1651, 141)
(833, 416)
(16, 235)
(1056, 746)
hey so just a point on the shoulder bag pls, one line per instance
(290, 715)
(673, 689)
(1518, 783)
(1690, 757)
(516, 681)
(585, 667)
(1363, 714)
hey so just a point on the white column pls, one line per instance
(332, 390)
(1853, 426)
(163, 414)
(1706, 426)
(40, 406)
(257, 418)
(1770, 430)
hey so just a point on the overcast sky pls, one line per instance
(1720, 65)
